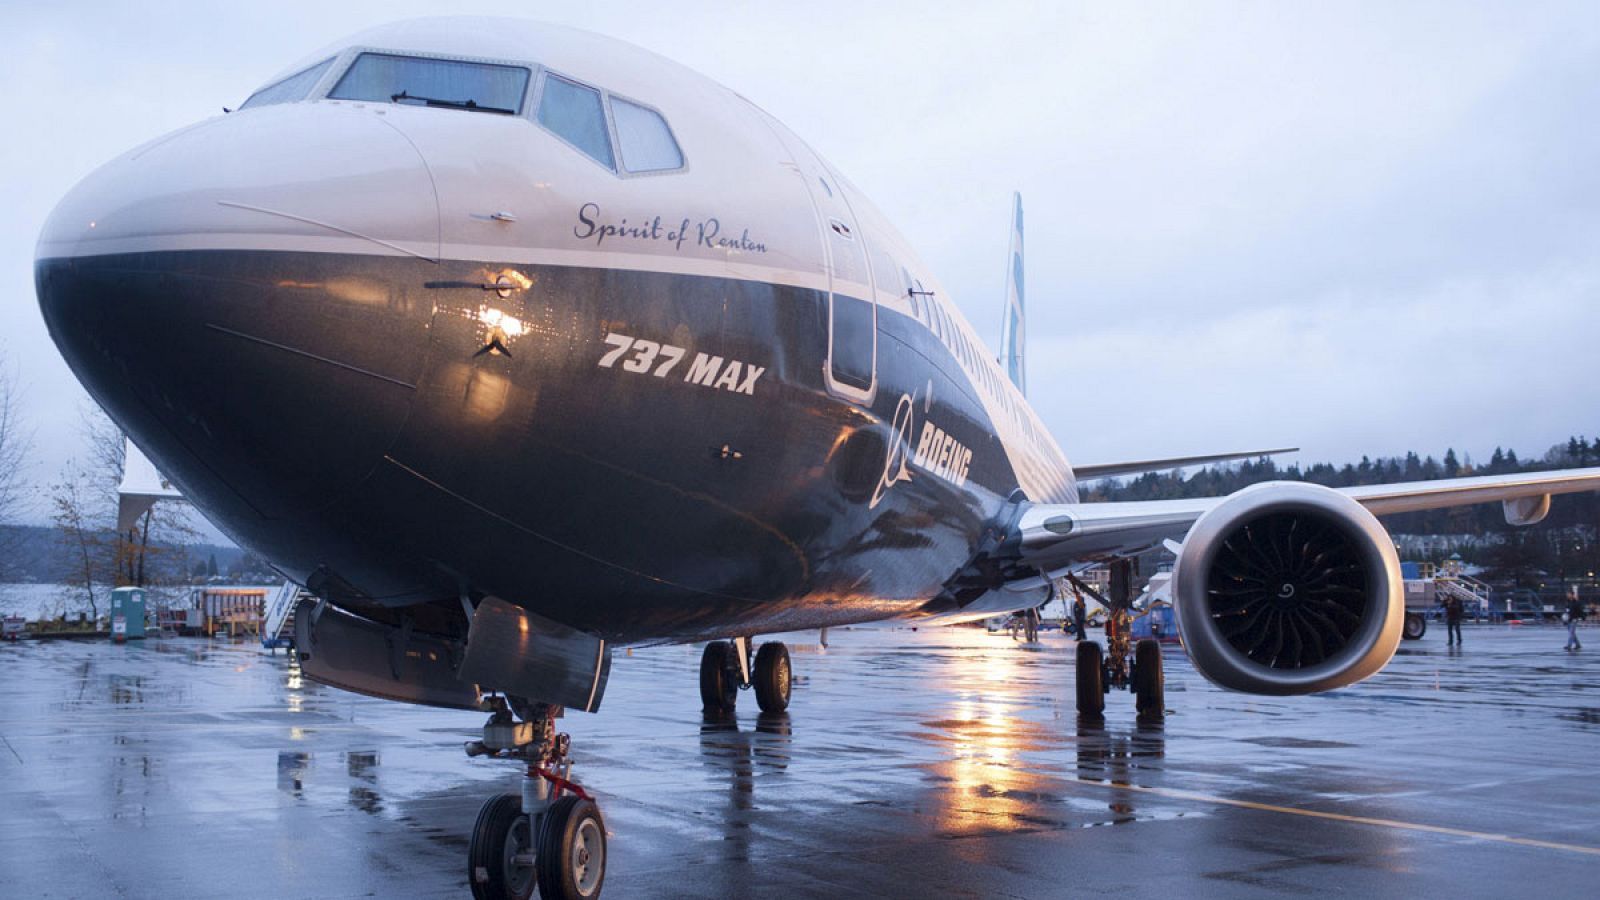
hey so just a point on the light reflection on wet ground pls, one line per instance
(937, 762)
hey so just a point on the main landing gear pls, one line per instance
(726, 666)
(1139, 671)
(551, 835)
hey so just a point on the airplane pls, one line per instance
(514, 344)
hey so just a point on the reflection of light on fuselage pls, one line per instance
(494, 318)
(347, 289)
(487, 394)
(504, 321)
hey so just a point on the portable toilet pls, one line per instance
(1158, 622)
(127, 614)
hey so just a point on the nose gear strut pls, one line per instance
(551, 835)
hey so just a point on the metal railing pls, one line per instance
(1465, 588)
(279, 610)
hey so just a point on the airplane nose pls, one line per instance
(246, 299)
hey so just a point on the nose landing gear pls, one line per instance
(551, 835)
(726, 667)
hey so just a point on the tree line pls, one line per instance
(43, 557)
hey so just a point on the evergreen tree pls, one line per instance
(1413, 466)
(1430, 469)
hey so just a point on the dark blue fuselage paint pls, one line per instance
(391, 433)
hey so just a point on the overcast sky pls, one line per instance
(1353, 228)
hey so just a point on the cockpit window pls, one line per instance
(420, 81)
(644, 138)
(290, 89)
(574, 113)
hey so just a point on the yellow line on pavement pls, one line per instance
(1338, 817)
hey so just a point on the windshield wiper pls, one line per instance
(451, 104)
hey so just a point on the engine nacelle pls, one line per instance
(1288, 588)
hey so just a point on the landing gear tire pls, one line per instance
(572, 851)
(719, 690)
(500, 862)
(1091, 681)
(1149, 684)
(1416, 626)
(773, 677)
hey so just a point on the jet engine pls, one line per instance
(1288, 588)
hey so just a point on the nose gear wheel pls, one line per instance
(572, 850)
(550, 836)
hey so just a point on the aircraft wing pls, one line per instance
(1052, 538)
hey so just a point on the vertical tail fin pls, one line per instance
(1014, 331)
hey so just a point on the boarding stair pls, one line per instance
(1473, 594)
(277, 626)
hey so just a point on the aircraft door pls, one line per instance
(851, 369)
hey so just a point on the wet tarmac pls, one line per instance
(943, 762)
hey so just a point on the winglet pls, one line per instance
(141, 487)
(1014, 330)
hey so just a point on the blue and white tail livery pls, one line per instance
(1014, 332)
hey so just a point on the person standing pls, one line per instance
(1080, 616)
(1452, 620)
(1573, 614)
